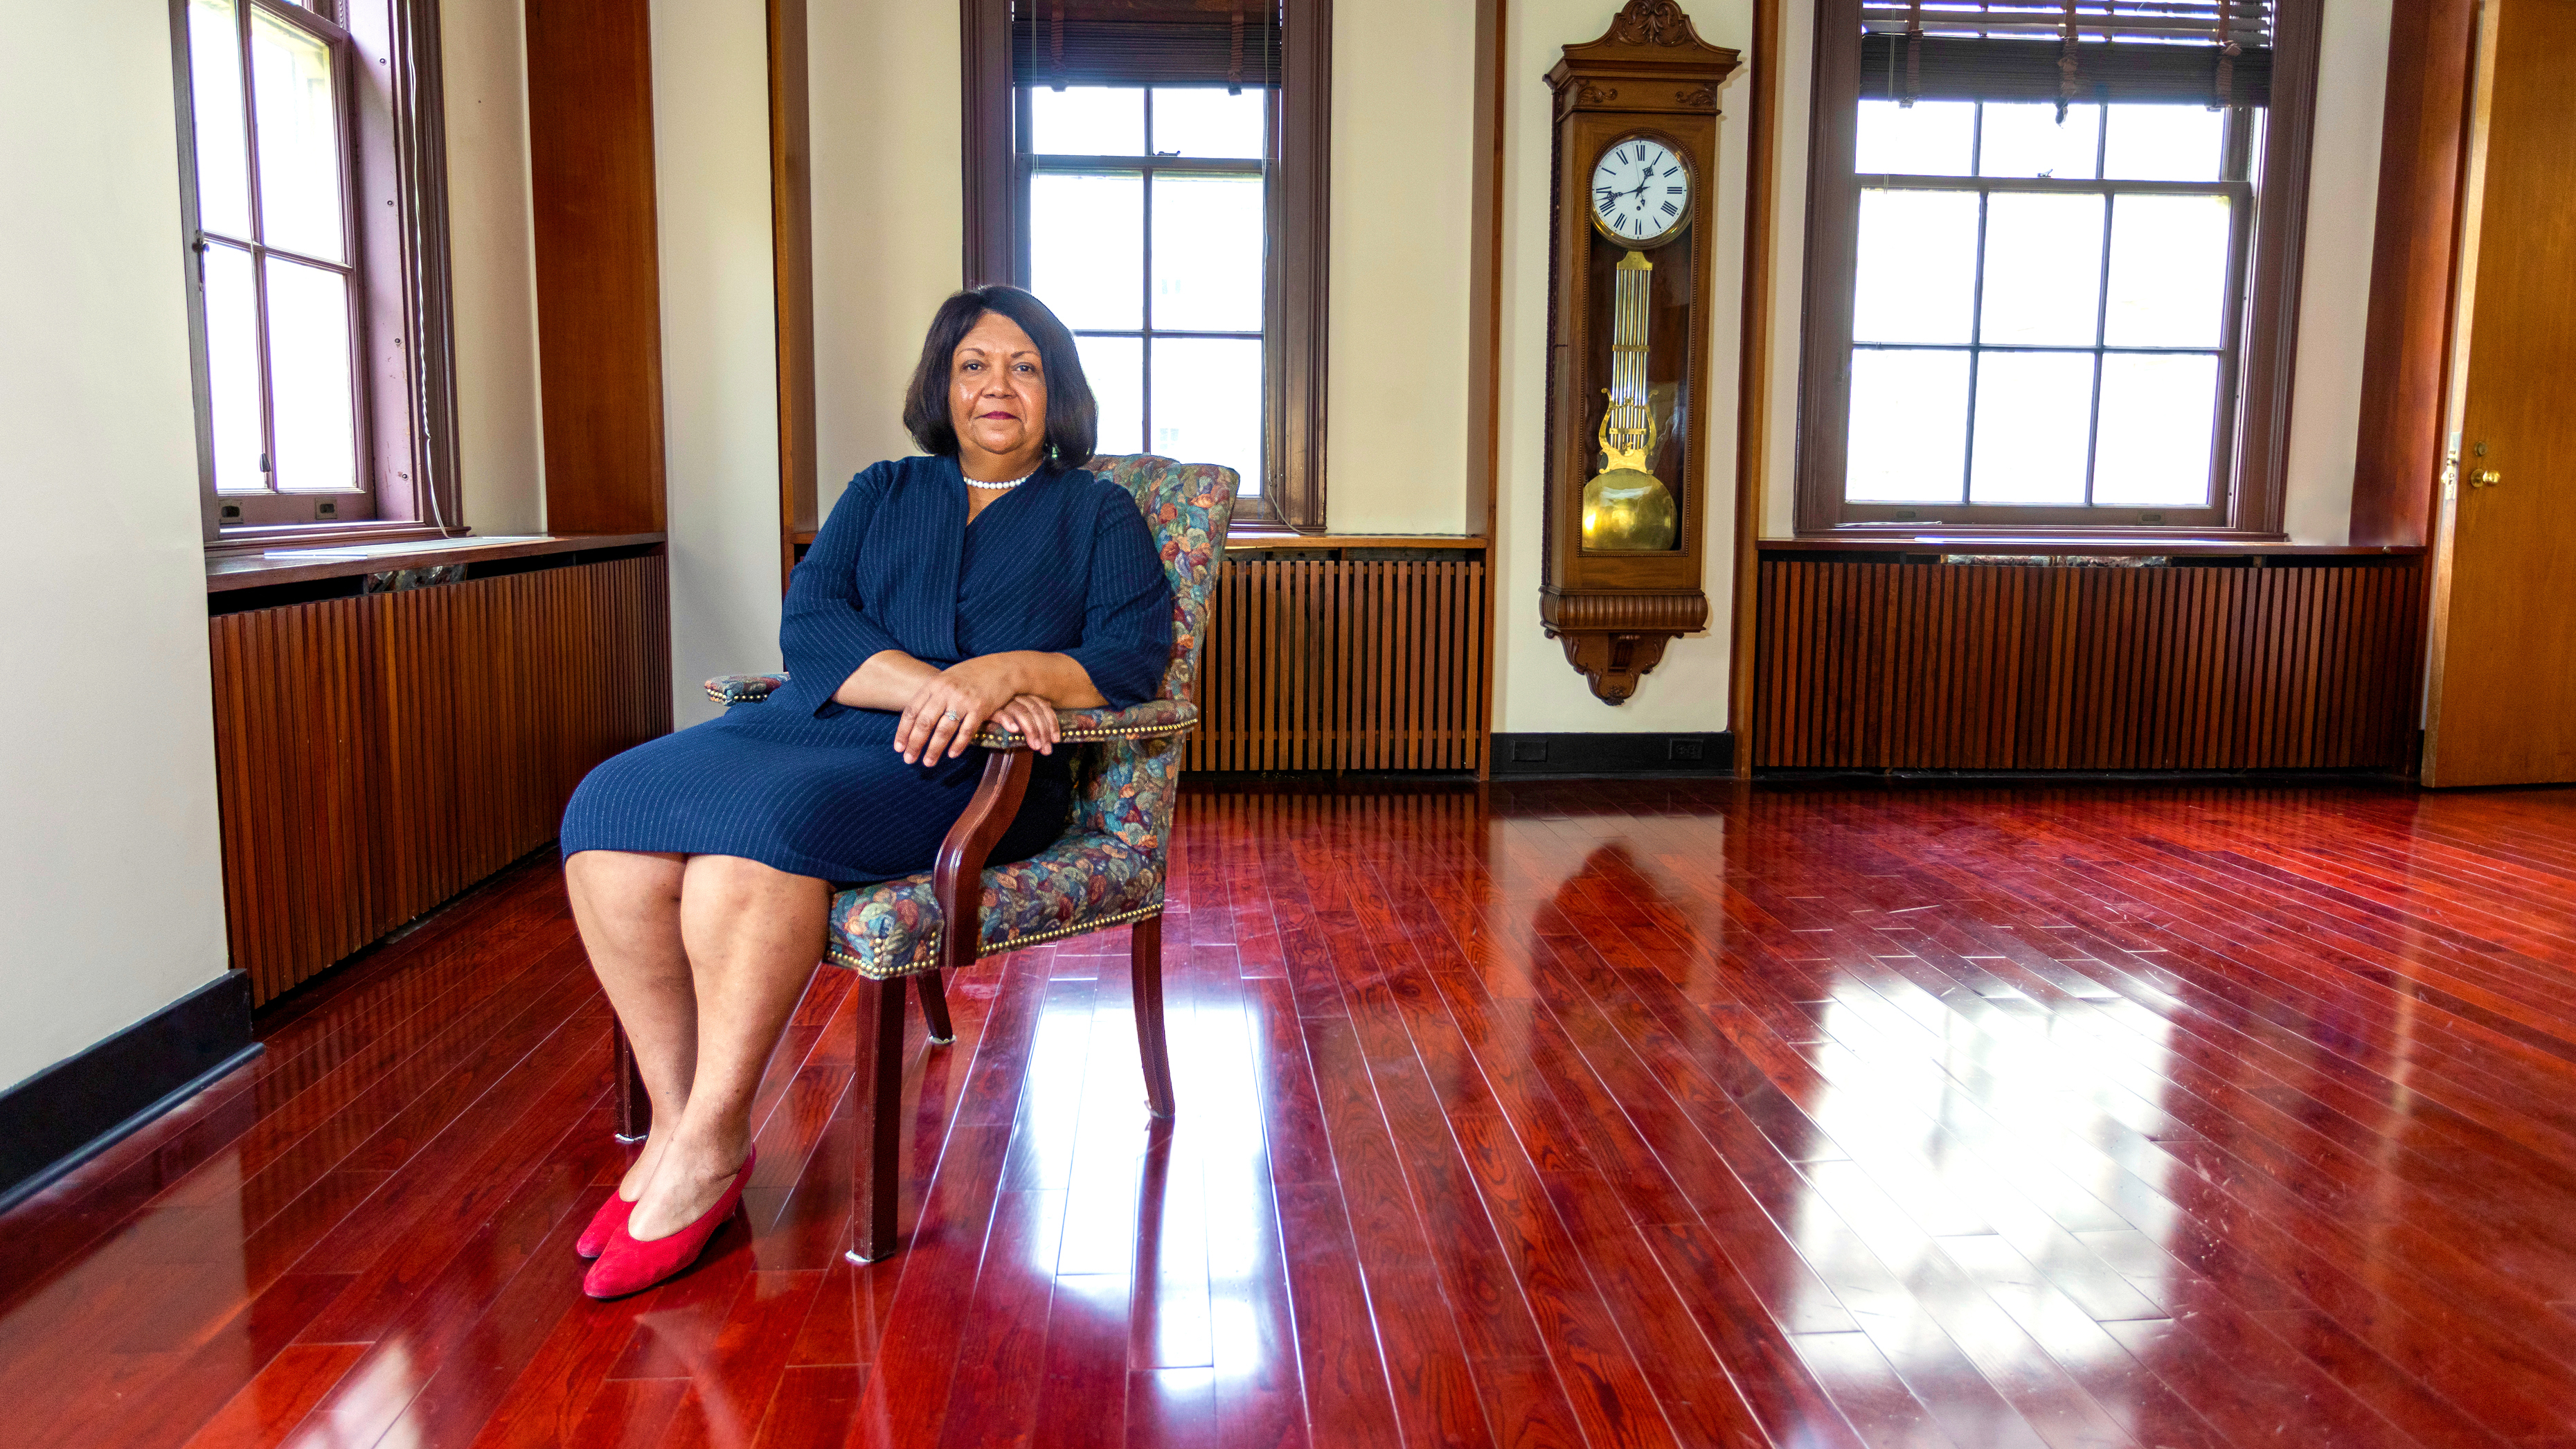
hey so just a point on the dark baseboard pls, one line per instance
(1587, 756)
(72, 1110)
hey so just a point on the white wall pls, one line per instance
(889, 217)
(111, 877)
(492, 266)
(719, 339)
(1403, 219)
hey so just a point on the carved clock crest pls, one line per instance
(1630, 256)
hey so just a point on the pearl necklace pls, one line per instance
(1013, 483)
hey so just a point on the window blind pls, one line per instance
(2214, 52)
(1232, 43)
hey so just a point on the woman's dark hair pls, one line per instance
(1073, 416)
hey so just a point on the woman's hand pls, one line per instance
(1032, 718)
(953, 704)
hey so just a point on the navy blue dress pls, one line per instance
(1063, 563)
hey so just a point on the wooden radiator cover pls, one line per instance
(377, 755)
(1343, 664)
(2002, 667)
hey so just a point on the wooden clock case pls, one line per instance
(1650, 74)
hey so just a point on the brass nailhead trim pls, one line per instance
(839, 957)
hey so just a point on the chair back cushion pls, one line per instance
(1189, 506)
(1125, 789)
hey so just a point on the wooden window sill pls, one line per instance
(1256, 539)
(256, 571)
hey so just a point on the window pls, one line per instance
(1145, 229)
(1155, 172)
(2036, 294)
(321, 383)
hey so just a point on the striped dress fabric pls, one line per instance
(1063, 563)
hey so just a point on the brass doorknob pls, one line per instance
(2485, 478)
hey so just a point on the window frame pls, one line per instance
(2258, 337)
(1296, 214)
(392, 150)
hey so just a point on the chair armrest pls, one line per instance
(733, 689)
(957, 876)
(1153, 718)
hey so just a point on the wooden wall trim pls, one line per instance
(1484, 316)
(2414, 269)
(791, 227)
(1301, 277)
(598, 265)
(2271, 350)
(1753, 370)
(376, 755)
(984, 91)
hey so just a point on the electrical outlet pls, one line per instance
(1684, 750)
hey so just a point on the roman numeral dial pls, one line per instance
(1641, 192)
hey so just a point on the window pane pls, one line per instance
(215, 87)
(299, 139)
(1207, 403)
(1207, 253)
(1115, 368)
(2163, 143)
(308, 377)
(1917, 274)
(2158, 414)
(1909, 426)
(1206, 122)
(2168, 271)
(2034, 417)
(1087, 248)
(232, 369)
(2027, 140)
(2043, 268)
(1087, 121)
(1932, 138)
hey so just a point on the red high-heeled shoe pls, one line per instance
(604, 1225)
(628, 1266)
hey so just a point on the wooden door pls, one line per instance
(2502, 699)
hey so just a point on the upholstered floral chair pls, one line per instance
(1106, 870)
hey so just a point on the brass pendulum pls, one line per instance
(1626, 508)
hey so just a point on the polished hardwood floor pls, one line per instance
(1574, 1114)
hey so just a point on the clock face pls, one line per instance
(1641, 192)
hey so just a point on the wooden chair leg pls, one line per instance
(1145, 972)
(634, 1108)
(876, 1094)
(934, 1006)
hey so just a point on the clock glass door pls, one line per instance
(1144, 227)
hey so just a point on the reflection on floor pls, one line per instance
(1590, 1115)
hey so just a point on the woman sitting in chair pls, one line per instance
(991, 581)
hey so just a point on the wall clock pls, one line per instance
(1629, 267)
